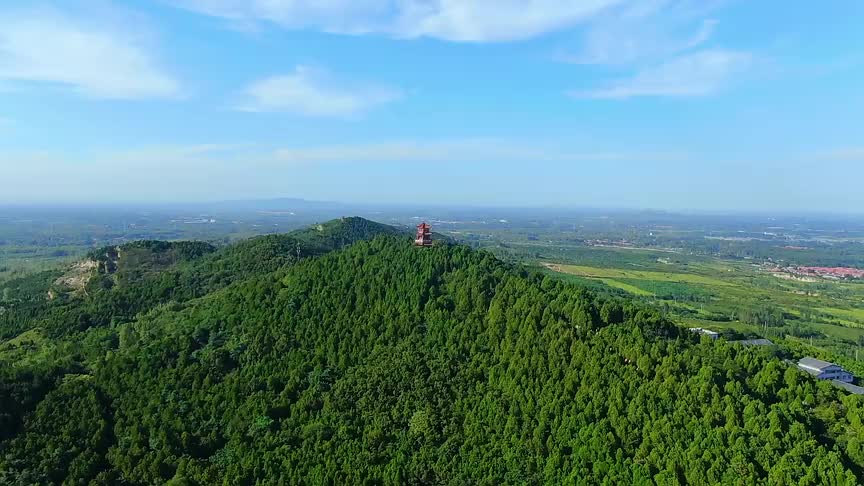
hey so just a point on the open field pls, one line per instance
(725, 295)
(855, 315)
(617, 273)
(625, 287)
(728, 282)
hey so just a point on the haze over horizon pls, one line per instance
(430, 209)
(678, 105)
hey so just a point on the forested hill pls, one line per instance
(383, 363)
(117, 283)
(63, 321)
(345, 231)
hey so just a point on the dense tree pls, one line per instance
(382, 363)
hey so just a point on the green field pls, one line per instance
(625, 287)
(855, 315)
(617, 273)
(729, 296)
(20, 261)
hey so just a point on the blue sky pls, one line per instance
(671, 104)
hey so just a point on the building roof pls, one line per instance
(814, 364)
(809, 370)
(857, 390)
(754, 342)
(708, 332)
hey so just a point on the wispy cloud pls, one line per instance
(315, 92)
(645, 31)
(231, 171)
(625, 43)
(224, 170)
(666, 46)
(480, 150)
(458, 150)
(697, 74)
(452, 20)
(48, 46)
(461, 150)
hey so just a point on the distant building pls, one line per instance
(705, 332)
(754, 342)
(824, 370)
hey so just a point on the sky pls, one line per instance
(663, 104)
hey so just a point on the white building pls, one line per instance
(705, 332)
(824, 370)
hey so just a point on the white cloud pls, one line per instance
(314, 92)
(452, 20)
(697, 74)
(47, 46)
(637, 42)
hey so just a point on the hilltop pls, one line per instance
(345, 231)
(373, 361)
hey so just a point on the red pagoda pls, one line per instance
(424, 235)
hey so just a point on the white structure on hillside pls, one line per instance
(824, 370)
(705, 332)
(753, 342)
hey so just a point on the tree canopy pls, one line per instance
(382, 363)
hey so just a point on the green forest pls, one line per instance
(342, 354)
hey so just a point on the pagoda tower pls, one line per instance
(424, 235)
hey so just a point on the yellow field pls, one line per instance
(625, 287)
(617, 273)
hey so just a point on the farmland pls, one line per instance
(730, 296)
(716, 273)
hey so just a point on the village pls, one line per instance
(812, 274)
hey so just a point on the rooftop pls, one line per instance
(754, 342)
(810, 370)
(814, 364)
(707, 332)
